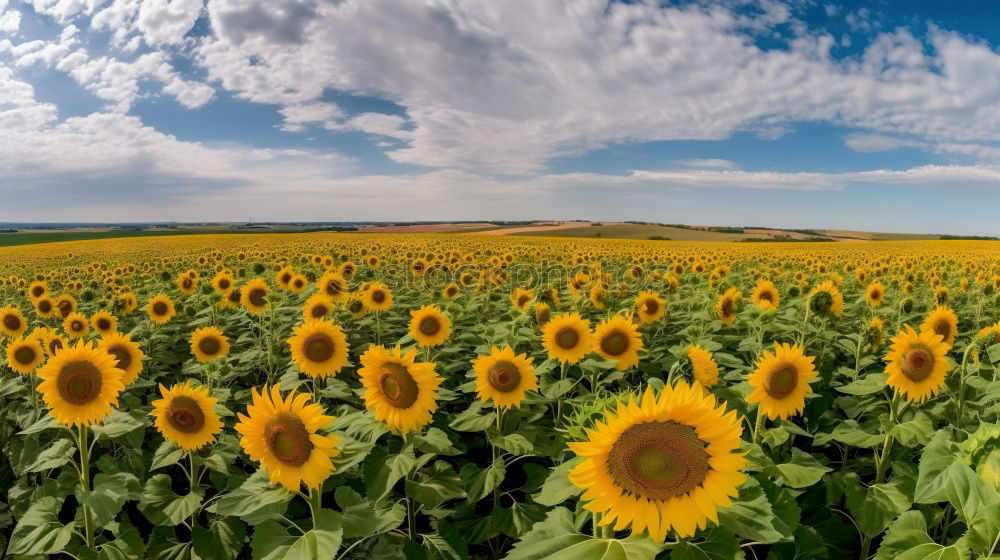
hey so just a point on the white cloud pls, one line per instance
(10, 20)
(708, 163)
(863, 142)
(166, 21)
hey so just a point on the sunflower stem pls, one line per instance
(882, 459)
(85, 482)
(962, 374)
(559, 403)
(191, 483)
(758, 425)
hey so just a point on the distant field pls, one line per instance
(11, 239)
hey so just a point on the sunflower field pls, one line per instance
(380, 396)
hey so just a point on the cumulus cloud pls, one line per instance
(165, 21)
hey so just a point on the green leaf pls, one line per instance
(557, 487)
(906, 532)
(850, 432)
(272, 542)
(718, 544)
(166, 454)
(966, 491)
(984, 528)
(161, 505)
(39, 530)
(109, 494)
(222, 541)
(44, 423)
(934, 461)
(473, 419)
(803, 470)
(361, 519)
(436, 488)
(128, 546)
(255, 500)
(752, 517)
(116, 425)
(435, 440)
(54, 456)
(875, 506)
(557, 538)
(917, 431)
(934, 551)
(515, 444)
(382, 471)
(867, 385)
(480, 482)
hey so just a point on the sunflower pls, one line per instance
(826, 299)
(598, 295)
(24, 355)
(781, 381)
(401, 390)
(104, 323)
(298, 284)
(503, 377)
(75, 325)
(232, 298)
(80, 384)
(521, 298)
(765, 295)
(160, 309)
(567, 337)
(703, 366)
(874, 333)
(186, 416)
(127, 353)
(356, 306)
(186, 284)
(37, 289)
(428, 326)
(223, 282)
(65, 304)
(542, 313)
(128, 302)
(208, 343)
(45, 307)
(649, 307)
(874, 294)
(668, 462)
(284, 276)
(253, 295)
(333, 286)
(317, 306)
(618, 339)
(450, 291)
(378, 297)
(319, 348)
(916, 364)
(282, 435)
(727, 305)
(942, 321)
(12, 323)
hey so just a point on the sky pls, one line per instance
(878, 115)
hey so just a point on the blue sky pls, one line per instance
(857, 115)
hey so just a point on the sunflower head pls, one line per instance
(75, 325)
(378, 297)
(104, 323)
(127, 354)
(317, 306)
(618, 339)
(661, 463)
(942, 321)
(703, 366)
(649, 307)
(160, 309)
(765, 295)
(208, 343)
(45, 307)
(781, 381)
(567, 337)
(186, 416)
(24, 355)
(874, 294)
(223, 282)
(333, 286)
(283, 435)
(916, 364)
(401, 390)
(80, 384)
(12, 323)
(253, 295)
(520, 298)
(542, 313)
(428, 326)
(504, 377)
(727, 305)
(319, 348)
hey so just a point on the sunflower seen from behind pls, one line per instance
(567, 337)
(80, 384)
(503, 377)
(24, 355)
(916, 364)
(319, 348)
(160, 309)
(400, 390)
(127, 353)
(618, 339)
(666, 462)
(429, 326)
(186, 416)
(282, 434)
(208, 343)
(780, 381)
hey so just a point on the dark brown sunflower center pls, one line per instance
(25, 355)
(378, 296)
(256, 296)
(288, 440)
(504, 376)
(12, 322)
(766, 296)
(523, 300)
(615, 343)
(333, 288)
(103, 324)
(79, 382)
(185, 415)
(430, 326)
(235, 296)
(285, 278)
(318, 347)
(727, 307)
(567, 338)
(187, 283)
(658, 460)
(356, 306)
(917, 364)
(121, 354)
(651, 306)
(76, 326)
(160, 308)
(397, 385)
(318, 311)
(224, 284)
(452, 290)
(37, 291)
(210, 345)
(45, 306)
(55, 344)
(781, 382)
(65, 308)
(943, 328)
(876, 295)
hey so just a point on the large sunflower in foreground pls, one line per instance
(282, 435)
(186, 416)
(567, 337)
(12, 323)
(916, 364)
(618, 339)
(663, 463)
(160, 309)
(428, 326)
(253, 295)
(319, 348)
(504, 377)
(208, 343)
(24, 355)
(401, 390)
(80, 384)
(781, 381)
(765, 295)
(942, 321)
(126, 352)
